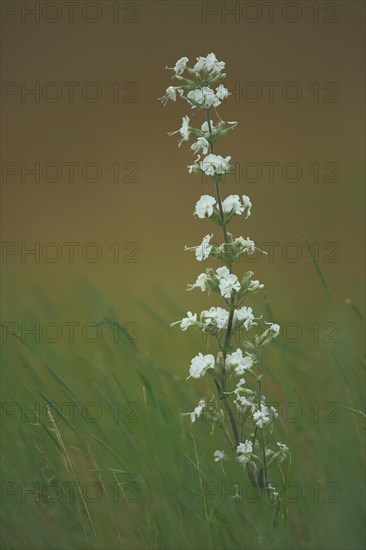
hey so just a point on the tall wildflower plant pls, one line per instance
(240, 409)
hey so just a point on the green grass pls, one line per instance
(151, 466)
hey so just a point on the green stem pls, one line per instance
(232, 309)
(260, 431)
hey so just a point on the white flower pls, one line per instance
(255, 285)
(247, 244)
(244, 450)
(270, 334)
(171, 93)
(284, 450)
(222, 271)
(261, 419)
(215, 164)
(275, 328)
(201, 62)
(243, 401)
(204, 97)
(234, 358)
(209, 63)
(216, 316)
(240, 362)
(232, 202)
(240, 384)
(272, 411)
(246, 364)
(213, 65)
(204, 207)
(264, 416)
(184, 130)
(186, 322)
(198, 410)
(181, 65)
(228, 282)
(247, 204)
(214, 129)
(206, 128)
(192, 168)
(219, 455)
(201, 282)
(221, 92)
(203, 250)
(245, 314)
(200, 364)
(246, 447)
(201, 145)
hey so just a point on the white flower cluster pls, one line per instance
(216, 317)
(238, 247)
(198, 410)
(203, 250)
(184, 130)
(241, 314)
(171, 93)
(265, 415)
(206, 97)
(202, 88)
(239, 362)
(204, 206)
(209, 129)
(209, 64)
(228, 282)
(207, 70)
(232, 204)
(244, 401)
(211, 165)
(283, 452)
(201, 282)
(219, 455)
(203, 93)
(201, 145)
(247, 245)
(186, 322)
(244, 316)
(244, 451)
(200, 364)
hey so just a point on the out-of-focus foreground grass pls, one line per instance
(107, 461)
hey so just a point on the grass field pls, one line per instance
(107, 460)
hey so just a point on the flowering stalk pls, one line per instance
(251, 418)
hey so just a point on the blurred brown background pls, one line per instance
(321, 51)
